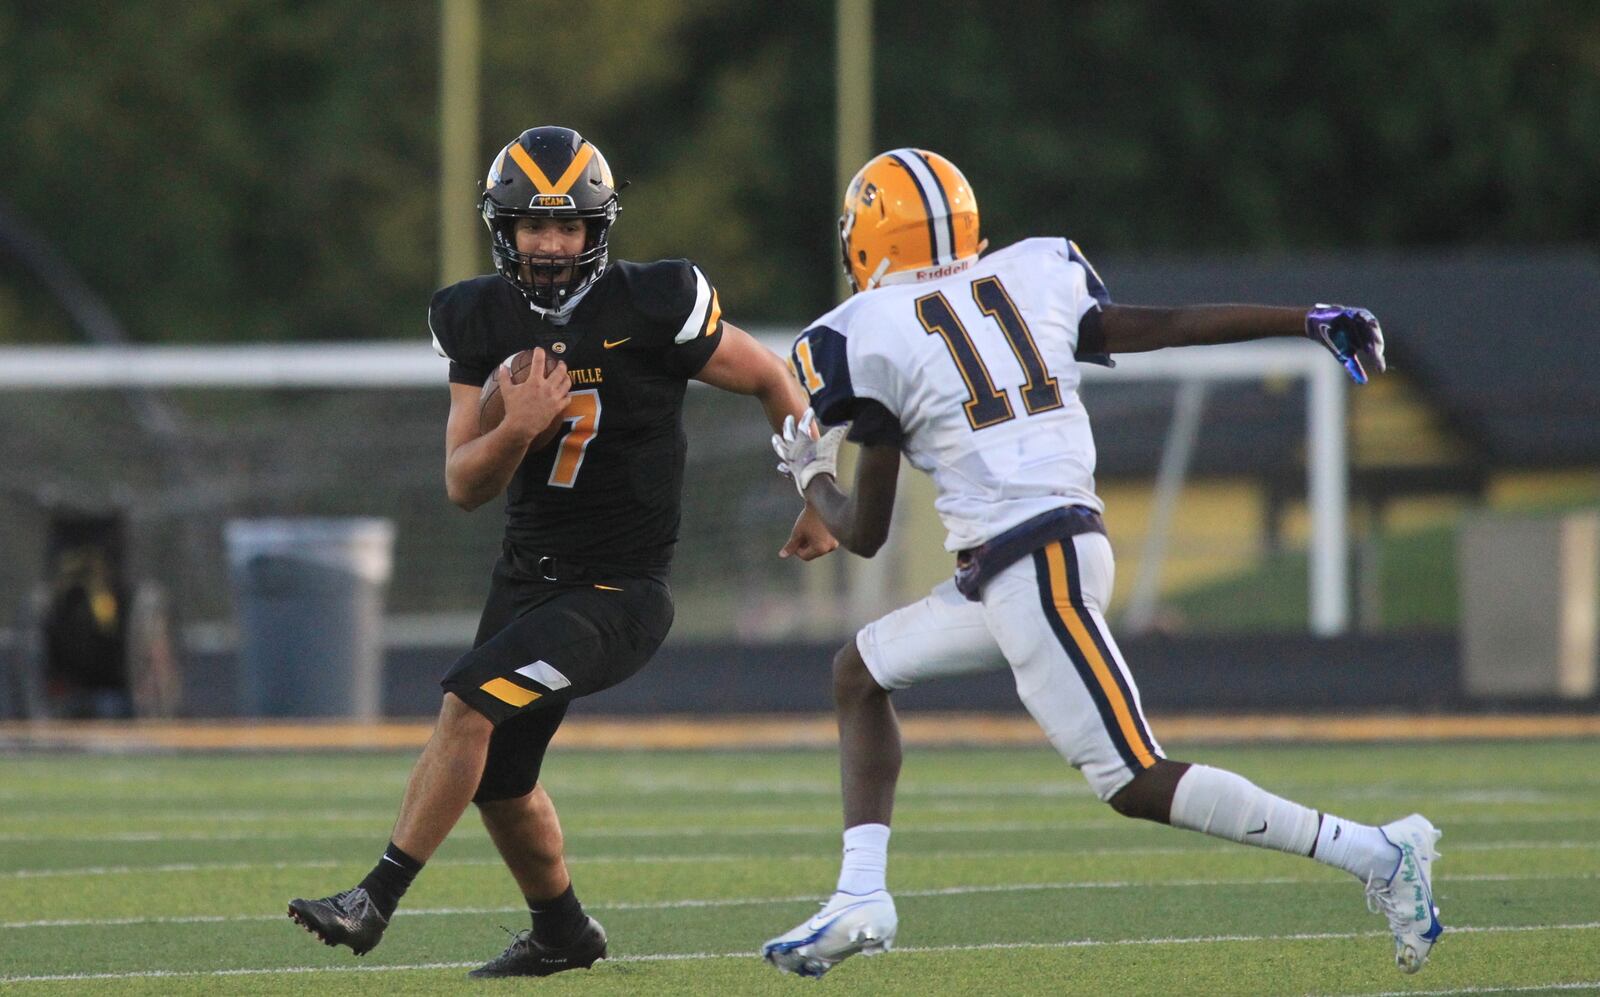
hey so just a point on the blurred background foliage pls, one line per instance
(218, 176)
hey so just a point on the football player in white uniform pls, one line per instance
(966, 364)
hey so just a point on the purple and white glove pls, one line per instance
(1350, 334)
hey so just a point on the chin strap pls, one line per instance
(561, 315)
(877, 274)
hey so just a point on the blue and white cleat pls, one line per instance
(1406, 899)
(848, 923)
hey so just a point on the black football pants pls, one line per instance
(542, 644)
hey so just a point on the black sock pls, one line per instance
(559, 921)
(388, 880)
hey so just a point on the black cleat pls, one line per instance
(347, 918)
(526, 957)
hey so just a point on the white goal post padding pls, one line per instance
(414, 364)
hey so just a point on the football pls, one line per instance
(492, 408)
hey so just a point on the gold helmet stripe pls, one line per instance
(541, 183)
(574, 170)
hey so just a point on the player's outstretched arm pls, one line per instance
(1352, 335)
(744, 366)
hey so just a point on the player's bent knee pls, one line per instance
(504, 803)
(851, 679)
(458, 718)
(1148, 795)
(1128, 801)
(498, 799)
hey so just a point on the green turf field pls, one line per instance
(163, 875)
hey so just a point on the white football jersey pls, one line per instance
(981, 370)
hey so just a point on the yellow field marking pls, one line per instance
(775, 731)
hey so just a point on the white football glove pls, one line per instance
(803, 454)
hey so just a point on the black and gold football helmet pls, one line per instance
(549, 172)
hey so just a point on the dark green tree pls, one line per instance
(267, 169)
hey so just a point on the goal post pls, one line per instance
(1327, 445)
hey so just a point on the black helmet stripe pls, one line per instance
(947, 215)
(927, 207)
(941, 227)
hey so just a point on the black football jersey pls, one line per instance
(607, 491)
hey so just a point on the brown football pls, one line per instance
(492, 408)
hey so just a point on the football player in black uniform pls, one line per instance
(579, 599)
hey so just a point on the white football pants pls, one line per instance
(1043, 617)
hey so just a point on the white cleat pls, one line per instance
(1406, 899)
(848, 923)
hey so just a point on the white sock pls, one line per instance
(1358, 849)
(866, 859)
(1225, 805)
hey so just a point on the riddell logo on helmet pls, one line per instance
(934, 273)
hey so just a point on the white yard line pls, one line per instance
(129, 870)
(927, 949)
(944, 891)
(1593, 985)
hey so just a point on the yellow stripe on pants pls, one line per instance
(1077, 626)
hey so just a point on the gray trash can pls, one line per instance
(1530, 604)
(309, 598)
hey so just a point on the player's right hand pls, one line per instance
(804, 451)
(533, 406)
(1352, 335)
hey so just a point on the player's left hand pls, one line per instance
(810, 538)
(804, 452)
(1352, 335)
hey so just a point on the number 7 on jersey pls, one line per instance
(583, 422)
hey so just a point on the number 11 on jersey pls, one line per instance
(987, 405)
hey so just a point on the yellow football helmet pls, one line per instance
(909, 215)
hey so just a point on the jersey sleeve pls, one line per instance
(1092, 297)
(677, 296)
(820, 359)
(449, 321)
(875, 425)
